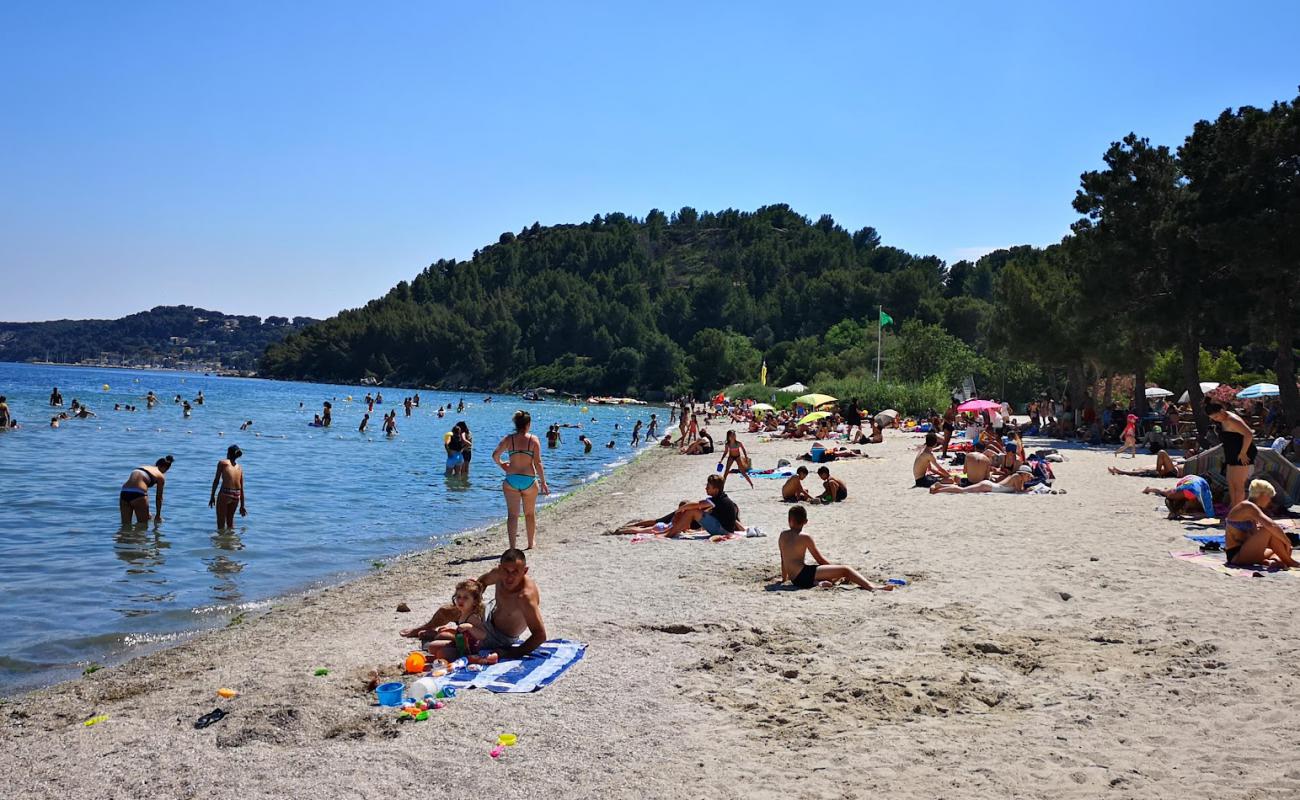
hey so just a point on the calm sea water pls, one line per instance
(76, 588)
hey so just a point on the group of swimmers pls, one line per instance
(226, 497)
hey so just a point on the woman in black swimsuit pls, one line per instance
(1238, 450)
(134, 497)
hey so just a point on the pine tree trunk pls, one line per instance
(1191, 348)
(1140, 388)
(1285, 364)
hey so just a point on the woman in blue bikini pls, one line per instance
(525, 476)
(133, 500)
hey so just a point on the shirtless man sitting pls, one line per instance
(792, 491)
(517, 608)
(926, 469)
(794, 543)
(979, 467)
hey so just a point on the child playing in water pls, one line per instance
(794, 543)
(464, 616)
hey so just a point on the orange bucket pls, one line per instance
(415, 663)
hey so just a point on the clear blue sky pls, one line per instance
(299, 158)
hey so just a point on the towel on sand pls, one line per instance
(1215, 561)
(531, 673)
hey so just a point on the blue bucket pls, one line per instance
(389, 694)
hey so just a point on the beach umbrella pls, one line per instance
(794, 388)
(887, 416)
(814, 416)
(1206, 387)
(1258, 390)
(978, 405)
(814, 400)
(1156, 391)
(761, 407)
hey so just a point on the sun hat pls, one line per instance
(1024, 469)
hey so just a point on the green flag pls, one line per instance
(885, 319)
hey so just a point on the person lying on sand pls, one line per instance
(926, 469)
(1191, 497)
(794, 543)
(516, 609)
(836, 491)
(716, 514)
(792, 490)
(1012, 484)
(639, 525)
(1164, 468)
(1251, 537)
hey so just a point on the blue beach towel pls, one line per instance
(532, 673)
(1206, 538)
(773, 475)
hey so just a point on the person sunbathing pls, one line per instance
(836, 491)
(716, 513)
(926, 469)
(701, 446)
(792, 491)
(794, 543)
(1164, 468)
(979, 467)
(1189, 498)
(1252, 537)
(1012, 484)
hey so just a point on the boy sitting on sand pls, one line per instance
(836, 491)
(794, 543)
(926, 469)
(792, 491)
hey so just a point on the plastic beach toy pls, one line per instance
(227, 693)
(507, 739)
(389, 694)
(497, 751)
(320, 672)
(415, 663)
(95, 720)
(896, 582)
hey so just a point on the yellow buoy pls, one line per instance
(584, 409)
(106, 387)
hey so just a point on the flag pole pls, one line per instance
(880, 328)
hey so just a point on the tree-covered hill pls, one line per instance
(162, 335)
(620, 304)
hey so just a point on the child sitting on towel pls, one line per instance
(794, 543)
(464, 616)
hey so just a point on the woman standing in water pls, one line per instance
(231, 477)
(525, 477)
(134, 498)
(467, 452)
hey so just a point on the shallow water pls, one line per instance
(76, 588)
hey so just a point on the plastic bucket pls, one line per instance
(389, 694)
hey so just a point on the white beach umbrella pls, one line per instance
(1156, 391)
(1206, 386)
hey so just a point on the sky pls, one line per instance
(301, 158)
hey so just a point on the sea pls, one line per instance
(79, 591)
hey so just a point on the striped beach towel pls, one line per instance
(532, 673)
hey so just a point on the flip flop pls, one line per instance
(215, 715)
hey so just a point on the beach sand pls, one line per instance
(1048, 646)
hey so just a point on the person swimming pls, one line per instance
(230, 476)
(133, 499)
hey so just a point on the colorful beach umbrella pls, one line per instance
(1259, 390)
(978, 405)
(814, 416)
(814, 400)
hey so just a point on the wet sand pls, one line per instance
(1047, 646)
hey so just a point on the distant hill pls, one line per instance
(637, 306)
(172, 336)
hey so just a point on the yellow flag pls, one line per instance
(762, 376)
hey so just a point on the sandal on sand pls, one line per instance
(215, 715)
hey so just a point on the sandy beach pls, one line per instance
(1047, 646)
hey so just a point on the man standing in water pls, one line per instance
(231, 477)
(516, 610)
